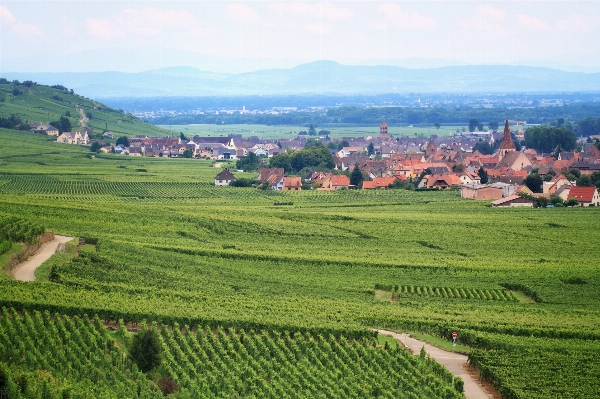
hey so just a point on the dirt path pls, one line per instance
(454, 362)
(26, 270)
(84, 119)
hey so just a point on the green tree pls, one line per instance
(371, 149)
(547, 138)
(584, 180)
(146, 350)
(483, 176)
(493, 125)
(182, 136)
(572, 202)
(342, 144)
(95, 146)
(534, 182)
(356, 178)
(187, 153)
(480, 127)
(483, 147)
(595, 177)
(473, 123)
(248, 163)
(282, 160)
(63, 124)
(311, 130)
(437, 125)
(123, 140)
(312, 143)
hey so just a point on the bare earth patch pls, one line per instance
(26, 270)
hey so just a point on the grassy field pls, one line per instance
(174, 249)
(279, 132)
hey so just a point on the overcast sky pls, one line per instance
(137, 35)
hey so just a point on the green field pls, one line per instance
(520, 286)
(289, 132)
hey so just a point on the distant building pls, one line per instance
(506, 145)
(383, 130)
(224, 178)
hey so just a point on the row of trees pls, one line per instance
(317, 157)
(548, 138)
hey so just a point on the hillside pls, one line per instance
(43, 104)
(322, 77)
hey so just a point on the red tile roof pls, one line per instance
(582, 193)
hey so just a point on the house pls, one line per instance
(550, 187)
(265, 173)
(378, 182)
(224, 178)
(480, 191)
(292, 183)
(587, 196)
(81, 138)
(440, 181)
(513, 200)
(335, 182)
(44, 128)
(469, 178)
(513, 160)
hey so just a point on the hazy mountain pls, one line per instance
(320, 77)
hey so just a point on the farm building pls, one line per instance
(224, 178)
(587, 196)
(513, 200)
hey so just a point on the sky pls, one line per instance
(242, 36)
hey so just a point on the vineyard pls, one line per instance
(518, 285)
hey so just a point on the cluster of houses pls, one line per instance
(444, 163)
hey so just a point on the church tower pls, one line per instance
(383, 130)
(430, 149)
(507, 144)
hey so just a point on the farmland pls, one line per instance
(520, 286)
(290, 132)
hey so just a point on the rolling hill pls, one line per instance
(322, 77)
(38, 103)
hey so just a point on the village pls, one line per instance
(437, 163)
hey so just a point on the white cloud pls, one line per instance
(579, 23)
(326, 10)
(318, 28)
(241, 13)
(147, 22)
(17, 26)
(407, 19)
(494, 13)
(531, 22)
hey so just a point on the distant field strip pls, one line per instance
(451, 293)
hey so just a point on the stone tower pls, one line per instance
(383, 130)
(431, 148)
(506, 144)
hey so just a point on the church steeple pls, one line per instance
(507, 144)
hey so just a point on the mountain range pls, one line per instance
(319, 77)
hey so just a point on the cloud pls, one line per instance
(17, 26)
(321, 29)
(531, 22)
(407, 19)
(326, 10)
(241, 13)
(147, 22)
(579, 23)
(494, 13)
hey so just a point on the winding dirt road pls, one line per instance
(26, 270)
(454, 362)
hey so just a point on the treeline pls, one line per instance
(394, 116)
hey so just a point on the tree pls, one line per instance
(371, 149)
(282, 160)
(248, 163)
(458, 168)
(146, 350)
(313, 143)
(187, 153)
(480, 127)
(557, 151)
(584, 180)
(342, 144)
(16, 92)
(63, 125)
(483, 147)
(572, 202)
(311, 130)
(534, 182)
(123, 140)
(68, 113)
(356, 178)
(182, 136)
(95, 146)
(483, 176)
(88, 115)
(473, 123)
(437, 125)
(493, 125)
(324, 132)
(595, 177)
(547, 138)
